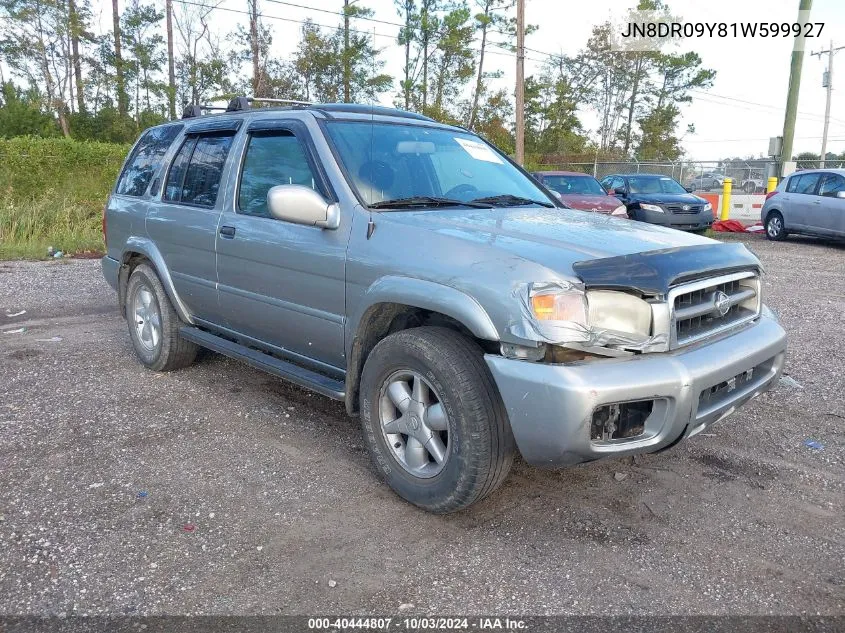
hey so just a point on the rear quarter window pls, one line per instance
(145, 159)
(197, 170)
(803, 183)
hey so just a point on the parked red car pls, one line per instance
(582, 192)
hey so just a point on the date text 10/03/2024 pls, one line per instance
(417, 624)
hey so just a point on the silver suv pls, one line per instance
(810, 202)
(413, 271)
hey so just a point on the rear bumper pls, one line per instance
(551, 406)
(111, 271)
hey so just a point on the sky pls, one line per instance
(735, 117)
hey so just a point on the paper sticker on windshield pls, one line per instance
(478, 150)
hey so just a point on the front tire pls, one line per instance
(775, 228)
(433, 420)
(154, 324)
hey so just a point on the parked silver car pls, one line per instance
(414, 272)
(810, 202)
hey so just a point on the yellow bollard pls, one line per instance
(772, 184)
(726, 199)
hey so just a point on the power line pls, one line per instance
(761, 105)
(338, 13)
(276, 17)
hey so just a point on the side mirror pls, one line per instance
(556, 194)
(840, 194)
(618, 192)
(302, 205)
(689, 189)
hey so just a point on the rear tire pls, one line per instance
(154, 324)
(446, 390)
(775, 228)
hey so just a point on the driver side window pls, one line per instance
(272, 158)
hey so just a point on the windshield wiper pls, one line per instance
(425, 201)
(511, 201)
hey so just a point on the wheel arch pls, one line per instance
(143, 250)
(398, 303)
(774, 209)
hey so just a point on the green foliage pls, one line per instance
(21, 114)
(53, 191)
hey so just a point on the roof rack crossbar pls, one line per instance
(286, 101)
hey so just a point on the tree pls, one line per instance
(122, 100)
(486, 19)
(493, 118)
(144, 45)
(21, 113)
(255, 48)
(171, 66)
(454, 60)
(320, 61)
(407, 34)
(79, 16)
(36, 47)
(429, 25)
(201, 68)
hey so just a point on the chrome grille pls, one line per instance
(679, 208)
(696, 315)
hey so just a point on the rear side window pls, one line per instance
(145, 160)
(803, 183)
(831, 185)
(272, 158)
(196, 171)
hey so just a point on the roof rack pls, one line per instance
(238, 104)
(282, 101)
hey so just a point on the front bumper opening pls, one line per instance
(620, 421)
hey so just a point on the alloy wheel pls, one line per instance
(414, 423)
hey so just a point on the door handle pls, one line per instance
(227, 232)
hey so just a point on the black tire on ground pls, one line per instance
(481, 445)
(775, 230)
(171, 351)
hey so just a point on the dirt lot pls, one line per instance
(219, 489)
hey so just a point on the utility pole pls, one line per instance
(346, 69)
(171, 73)
(520, 81)
(254, 47)
(830, 53)
(794, 86)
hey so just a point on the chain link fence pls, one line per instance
(748, 176)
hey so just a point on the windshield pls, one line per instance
(581, 185)
(644, 184)
(387, 161)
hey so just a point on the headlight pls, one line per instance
(597, 309)
(619, 312)
(620, 210)
(708, 207)
(560, 306)
(651, 207)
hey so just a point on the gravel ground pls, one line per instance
(221, 490)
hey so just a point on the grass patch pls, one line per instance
(28, 228)
(52, 193)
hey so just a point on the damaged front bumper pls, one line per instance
(553, 409)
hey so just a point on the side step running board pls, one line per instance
(265, 362)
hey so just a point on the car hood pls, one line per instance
(667, 198)
(586, 202)
(555, 238)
